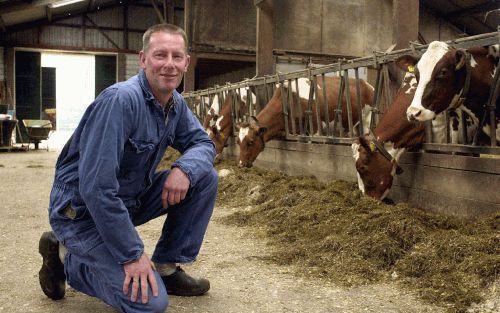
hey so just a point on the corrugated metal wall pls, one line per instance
(131, 65)
(139, 19)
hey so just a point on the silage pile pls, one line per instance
(344, 237)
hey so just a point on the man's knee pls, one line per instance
(155, 304)
(158, 304)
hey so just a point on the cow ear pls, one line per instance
(460, 59)
(261, 131)
(407, 63)
(238, 126)
(364, 143)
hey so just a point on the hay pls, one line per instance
(333, 232)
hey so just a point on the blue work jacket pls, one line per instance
(114, 152)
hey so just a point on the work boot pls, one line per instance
(51, 275)
(181, 284)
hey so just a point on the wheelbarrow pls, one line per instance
(37, 130)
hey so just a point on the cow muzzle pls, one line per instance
(244, 164)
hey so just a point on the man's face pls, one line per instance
(164, 63)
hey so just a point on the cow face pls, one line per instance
(375, 172)
(251, 142)
(215, 133)
(439, 81)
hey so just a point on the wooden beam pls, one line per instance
(125, 24)
(405, 15)
(48, 10)
(101, 31)
(2, 25)
(265, 38)
(158, 13)
(90, 7)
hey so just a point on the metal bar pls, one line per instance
(325, 104)
(358, 103)
(284, 103)
(233, 104)
(292, 108)
(314, 84)
(338, 115)
(158, 13)
(373, 119)
(309, 107)
(387, 86)
(348, 104)
(300, 114)
(463, 128)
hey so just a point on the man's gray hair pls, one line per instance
(166, 28)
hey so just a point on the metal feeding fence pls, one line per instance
(304, 125)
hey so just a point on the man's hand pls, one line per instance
(138, 272)
(175, 188)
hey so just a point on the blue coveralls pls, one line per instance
(106, 173)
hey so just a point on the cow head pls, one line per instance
(375, 172)
(251, 141)
(440, 73)
(215, 133)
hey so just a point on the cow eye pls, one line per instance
(442, 73)
(250, 143)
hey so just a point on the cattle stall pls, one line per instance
(457, 179)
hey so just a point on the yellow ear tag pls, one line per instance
(372, 147)
(411, 68)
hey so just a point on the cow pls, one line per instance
(219, 124)
(377, 156)
(448, 77)
(270, 122)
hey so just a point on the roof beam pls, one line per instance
(160, 16)
(2, 25)
(48, 9)
(91, 5)
(480, 8)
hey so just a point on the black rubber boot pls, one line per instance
(51, 275)
(181, 284)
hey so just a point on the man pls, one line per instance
(105, 184)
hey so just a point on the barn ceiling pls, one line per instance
(22, 14)
(471, 17)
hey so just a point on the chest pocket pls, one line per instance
(137, 153)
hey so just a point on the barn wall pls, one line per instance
(451, 184)
(69, 32)
(223, 24)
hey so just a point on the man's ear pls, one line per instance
(188, 61)
(142, 59)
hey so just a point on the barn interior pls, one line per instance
(56, 56)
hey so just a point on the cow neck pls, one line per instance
(271, 117)
(394, 126)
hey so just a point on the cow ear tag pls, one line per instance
(372, 147)
(411, 68)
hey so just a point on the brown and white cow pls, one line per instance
(270, 122)
(441, 73)
(219, 124)
(396, 134)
